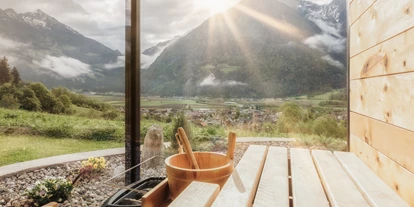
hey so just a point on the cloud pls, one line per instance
(328, 28)
(64, 66)
(93, 19)
(326, 42)
(332, 61)
(8, 44)
(120, 63)
(321, 2)
(211, 80)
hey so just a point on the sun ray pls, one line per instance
(240, 42)
(281, 26)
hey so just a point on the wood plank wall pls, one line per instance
(381, 83)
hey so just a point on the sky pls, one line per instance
(104, 20)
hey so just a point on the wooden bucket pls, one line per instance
(214, 168)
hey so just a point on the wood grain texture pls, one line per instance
(214, 168)
(307, 190)
(357, 7)
(197, 194)
(51, 204)
(375, 191)
(273, 187)
(395, 142)
(393, 56)
(187, 147)
(383, 20)
(386, 98)
(231, 145)
(249, 170)
(157, 196)
(339, 188)
(394, 175)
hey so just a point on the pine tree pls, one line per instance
(5, 76)
(16, 76)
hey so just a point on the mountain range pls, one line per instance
(46, 50)
(258, 48)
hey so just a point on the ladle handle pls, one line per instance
(231, 145)
(187, 147)
(180, 144)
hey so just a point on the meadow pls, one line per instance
(203, 103)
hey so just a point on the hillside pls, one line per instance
(260, 48)
(48, 51)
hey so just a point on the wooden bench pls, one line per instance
(375, 191)
(273, 187)
(241, 186)
(319, 178)
(306, 187)
(197, 194)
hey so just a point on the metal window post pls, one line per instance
(132, 90)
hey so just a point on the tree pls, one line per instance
(49, 102)
(8, 101)
(8, 88)
(292, 114)
(5, 76)
(16, 76)
(29, 101)
(65, 100)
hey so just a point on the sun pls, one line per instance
(215, 6)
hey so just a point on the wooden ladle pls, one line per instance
(187, 147)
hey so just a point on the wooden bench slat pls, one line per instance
(249, 170)
(307, 190)
(273, 187)
(197, 194)
(376, 191)
(339, 188)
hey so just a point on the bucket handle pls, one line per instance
(231, 145)
(188, 151)
(180, 144)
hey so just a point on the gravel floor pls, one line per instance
(92, 191)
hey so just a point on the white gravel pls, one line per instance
(92, 191)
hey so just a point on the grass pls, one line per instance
(60, 126)
(22, 148)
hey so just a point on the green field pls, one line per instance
(151, 102)
(20, 148)
(117, 101)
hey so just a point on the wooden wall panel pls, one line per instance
(386, 98)
(393, 56)
(398, 178)
(383, 20)
(357, 7)
(392, 141)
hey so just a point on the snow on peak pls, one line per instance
(11, 12)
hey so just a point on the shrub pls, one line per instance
(8, 101)
(65, 100)
(100, 134)
(180, 121)
(96, 164)
(58, 131)
(49, 190)
(29, 101)
(47, 99)
(326, 126)
(110, 114)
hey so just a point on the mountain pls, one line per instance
(46, 50)
(258, 48)
(149, 55)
